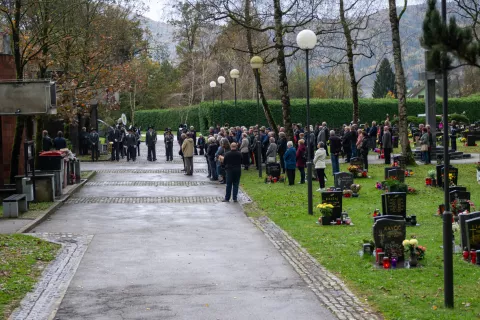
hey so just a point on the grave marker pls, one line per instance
(462, 218)
(389, 234)
(398, 173)
(459, 195)
(334, 198)
(394, 203)
(386, 169)
(453, 171)
(343, 180)
(472, 227)
(391, 217)
(357, 162)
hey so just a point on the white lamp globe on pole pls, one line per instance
(213, 84)
(306, 39)
(221, 80)
(235, 74)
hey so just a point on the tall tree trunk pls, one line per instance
(266, 107)
(351, 70)
(400, 82)
(282, 69)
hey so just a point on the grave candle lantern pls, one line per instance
(394, 262)
(413, 220)
(386, 263)
(466, 255)
(473, 254)
(339, 221)
(381, 255)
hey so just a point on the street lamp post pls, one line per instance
(235, 74)
(221, 80)
(306, 40)
(256, 63)
(213, 84)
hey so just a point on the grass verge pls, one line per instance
(398, 294)
(22, 260)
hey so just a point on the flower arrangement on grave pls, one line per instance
(392, 184)
(457, 207)
(326, 209)
(271, 179)
(411, 190)
(409, 173)
(463, 140)
(414, 251)
(347, 193)
(355, 189)
(431, 174)
(378, 186)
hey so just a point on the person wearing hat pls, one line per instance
(131, 143)
(168, 138)
(94, 142)
(150, 141)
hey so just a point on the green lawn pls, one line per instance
(22, 259)
(400, 293)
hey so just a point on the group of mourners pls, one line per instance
(89, 141)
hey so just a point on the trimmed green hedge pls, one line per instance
(334, 112)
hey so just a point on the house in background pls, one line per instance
(418, 92)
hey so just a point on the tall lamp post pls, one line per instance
(447, 214)
(235, 74)
(213, 84)
(221, 80)
(256, 63)
(306, 40)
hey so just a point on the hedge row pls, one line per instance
(334, 112)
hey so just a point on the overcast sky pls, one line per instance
(156, 9)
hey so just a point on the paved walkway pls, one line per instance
(165, 247)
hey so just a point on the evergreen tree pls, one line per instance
(439, 37)
(385, 80)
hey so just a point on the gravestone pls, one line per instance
(391, 217)
(389, 234)
(334, 198)
(343, 180)
(386, 169)
(472, 227)
(462, 218)
(394, 203)
(459, 195)
(401, 162)
(457, 188)
(398, 173)
(357, 162)
(452, 170)
(471, 141)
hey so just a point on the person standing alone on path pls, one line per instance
(387, 144)
(150, 141)
(94, 142)
(187, 149)
(233, 168)
(168, 139)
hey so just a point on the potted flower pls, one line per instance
(430, 177)
(326, 210)
(414, 251)
(394, 185)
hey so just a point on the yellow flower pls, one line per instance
(405, 243)
(413, 242)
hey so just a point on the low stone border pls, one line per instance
(122, 200)
(44, 300)
(330, 290)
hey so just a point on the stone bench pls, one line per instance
(13, 205)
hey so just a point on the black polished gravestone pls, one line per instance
(334, 198)
(343, 180)
(386, 169)
(389, 234)
(472, 227)
(459, 195)
(457, 188)
(357, 162)
(440, 169)
(397, 174)
(401, 162)
(462, 218)
(394, 203)
(391, 217)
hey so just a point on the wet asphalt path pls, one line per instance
(165, 247)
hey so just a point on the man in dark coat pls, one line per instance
(168, 139)
(94, 139)
(347, 143)
(150, 141)
(131, 143)
(387, 144)
(335, 149)
(233, 168)
(372, 134)
(47, 142)
(194, 137)
(114, 138)
(84, 141)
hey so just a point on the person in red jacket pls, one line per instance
(301, 159)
